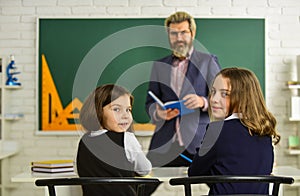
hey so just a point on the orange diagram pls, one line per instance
(54, 116)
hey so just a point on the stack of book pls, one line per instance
(52, 166)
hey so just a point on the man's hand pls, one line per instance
(167, 114)
(193, 101)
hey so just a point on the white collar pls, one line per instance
(232, 116)
(97, 133)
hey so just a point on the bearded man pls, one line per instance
(185, 75)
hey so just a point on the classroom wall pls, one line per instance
(18, 37)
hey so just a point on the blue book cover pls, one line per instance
(172, 104)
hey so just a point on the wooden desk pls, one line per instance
(31, 177)
(166, 173)
(163, 174)
(289, 172)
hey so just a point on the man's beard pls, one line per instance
(181, 50)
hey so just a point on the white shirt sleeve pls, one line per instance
(205, 107)
(135, 155)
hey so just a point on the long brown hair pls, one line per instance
(91, 113)
(246, 99)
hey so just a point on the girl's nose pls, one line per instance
(125, 114)
(215, 97)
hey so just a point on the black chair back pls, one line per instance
(140, 182)
(187, 181)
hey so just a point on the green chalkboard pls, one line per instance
(83, 53)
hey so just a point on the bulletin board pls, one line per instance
(77, 54)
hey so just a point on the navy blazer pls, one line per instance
(201, 71)
(229, 149)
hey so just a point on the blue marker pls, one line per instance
(186, 158)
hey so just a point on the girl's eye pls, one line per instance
(224, 94)
(212, 91)
(116, 109)
(129, 110)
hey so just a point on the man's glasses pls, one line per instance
(184, 33)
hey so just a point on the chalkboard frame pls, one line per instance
(260, 74)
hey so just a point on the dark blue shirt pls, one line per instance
(229, 149)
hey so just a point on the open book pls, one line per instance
(172, 104)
